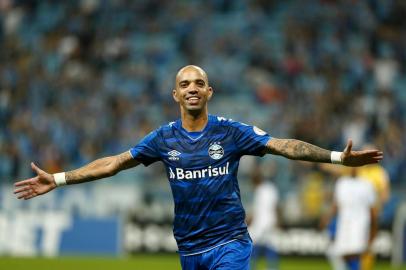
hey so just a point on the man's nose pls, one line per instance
(192, 89)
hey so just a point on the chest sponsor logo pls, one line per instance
(216, 151)
(210, 171)
(174, 155)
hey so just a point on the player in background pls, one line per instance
(263, 221)
(379, 178)
(201, 154)
(354, 204)
(328, 222)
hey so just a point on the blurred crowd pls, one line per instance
(85, 78)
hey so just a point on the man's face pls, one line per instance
(192, 89)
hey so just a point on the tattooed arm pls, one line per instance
(100, 168)
(299, 150)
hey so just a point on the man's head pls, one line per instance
(192, 90)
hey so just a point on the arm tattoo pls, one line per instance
(125, 161)
(97, 169)
(101, 168)
(75, 177)
(298, 150)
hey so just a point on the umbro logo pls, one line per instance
(174, 155)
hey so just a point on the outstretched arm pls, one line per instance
(100, 168)
(299, 150)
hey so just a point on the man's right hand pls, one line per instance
(32, 187)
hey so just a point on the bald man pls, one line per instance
(201, 153)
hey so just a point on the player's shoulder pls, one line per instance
(162, 130)
(227, 122)
(238, 126)
(168, 126)
(166, 130)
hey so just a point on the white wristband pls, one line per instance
(336, 157)
(60, 179)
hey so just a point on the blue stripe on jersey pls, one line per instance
(202, 174)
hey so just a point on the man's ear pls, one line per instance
(210, 93)
(175, 95)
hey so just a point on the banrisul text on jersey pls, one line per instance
(179, 173)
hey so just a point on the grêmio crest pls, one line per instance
(216, 151)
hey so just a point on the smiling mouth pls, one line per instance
(193, 99)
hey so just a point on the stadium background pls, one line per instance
(83, 79)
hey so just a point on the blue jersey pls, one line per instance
(202, 173)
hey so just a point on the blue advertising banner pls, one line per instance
(99, 236)
(33, 233)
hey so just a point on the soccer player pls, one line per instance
(201, 153)
(379, 178)
(356, 223)
(264, 218)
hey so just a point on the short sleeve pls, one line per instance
(147, 151)
(250, 140)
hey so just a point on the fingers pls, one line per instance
(378, 157)
(30, 180)
(35, 168)
(377, 152)
(30, 196)
(23, 189)
(32, 187)
(348, 148)
(27, 195)
(373, 154)
(24, 182)
(371, 157)
(26, 192)
(24, 195)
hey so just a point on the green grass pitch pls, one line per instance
(148, 262)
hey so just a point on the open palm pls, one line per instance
(32, 187)
(359, 158)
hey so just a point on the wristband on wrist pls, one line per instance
(336, 157)
(59, 179)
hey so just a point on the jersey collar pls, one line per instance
(184, 132)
